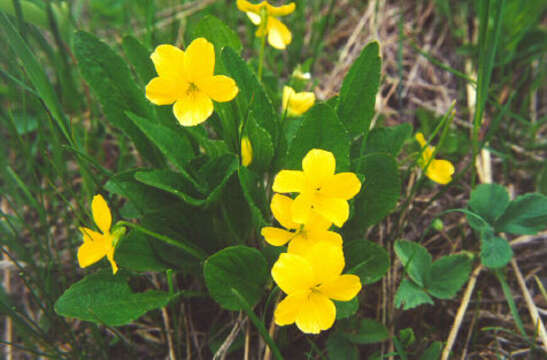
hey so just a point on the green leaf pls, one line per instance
(407, 337)
(171, 141)
(237, 267)
(345, 309)
(36, 74)
(252, 96)
(488, 201)
(358, 92)
(527, 214)
(107, 299)
(338, 347)
(254, 194)
(366, 259)
(448, 274)
(409, 295)
(139, 57)
(380, 191)
(217, 33)
(433, 352)
(320, 129)
(174, 183)
(495, 251)
(212, 176)
(370, 331)
(416, 260)
(388, 139)
(142, 198)
(261, 143)
(111, 80)
(135, 253)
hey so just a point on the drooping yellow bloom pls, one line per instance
(264, 16)
(439, 171)
(300, 237)
(246, 151)
(310, 281)
(296, 103)
(320, 188)
(97, 245)
(186, 79)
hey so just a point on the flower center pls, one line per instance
(192, 88)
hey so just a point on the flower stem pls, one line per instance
(261, 57)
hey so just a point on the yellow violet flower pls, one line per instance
(296, 103)
(264, 16)
(439, 171)
(246, 151)
(310, 281)
(186, 79)
(300, 237)
(320, 188)
(97, 245)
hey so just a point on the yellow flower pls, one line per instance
(300, 237)
(279, 35)
(97, 245)
(310, 281)
(246, 151)
(296, 103)
(439, 171)
(186, 79)
(320, 189)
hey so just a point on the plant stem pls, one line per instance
(261, 57)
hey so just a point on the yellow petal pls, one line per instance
(301, 244)
(93, 249)
(220, 88)
(332, 209)
(289, 308)
(254, 17)
(421, 139)
(287, 181)
(246, 6)
(288, 94)
(163, 90)
(193, 109)
(101, 213)
(343, 185)
(296, 103)
(343, 288)
(279, 35)
(301, 208)
(316, 314)
(276, 236)
(440, 171)
(168, 61)
(292, 273)
(280, 10)
(281, 210)
(316, 222)
(199, 60)
(318, 165)
(110, 257)
(327, 261)
(246, 151)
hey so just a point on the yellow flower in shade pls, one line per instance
(296, 103)
(310, 281)
(439, 171)
(264, 16)
(186, 79)
(300, 237)
(320, 188)
(246, 151)
(97, 245)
